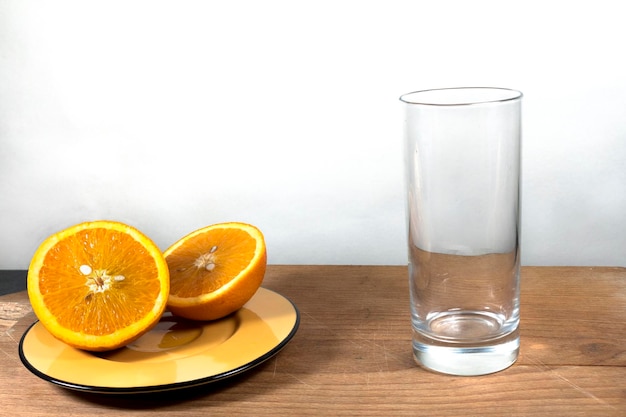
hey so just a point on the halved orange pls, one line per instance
(215, 270)
(98, 285)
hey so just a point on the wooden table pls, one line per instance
(352, 356)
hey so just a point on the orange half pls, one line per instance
(215, 270)
(98, 285)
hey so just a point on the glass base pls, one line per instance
(466, 359)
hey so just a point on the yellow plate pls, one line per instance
(176, 354)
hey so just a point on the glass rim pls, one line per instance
(471, 96)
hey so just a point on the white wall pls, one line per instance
(171, 115)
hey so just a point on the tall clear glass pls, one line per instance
(463, 209)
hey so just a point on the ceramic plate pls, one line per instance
(175, 354)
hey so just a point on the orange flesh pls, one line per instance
(118, 291)
(196, 270)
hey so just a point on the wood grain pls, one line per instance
(352, 356)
